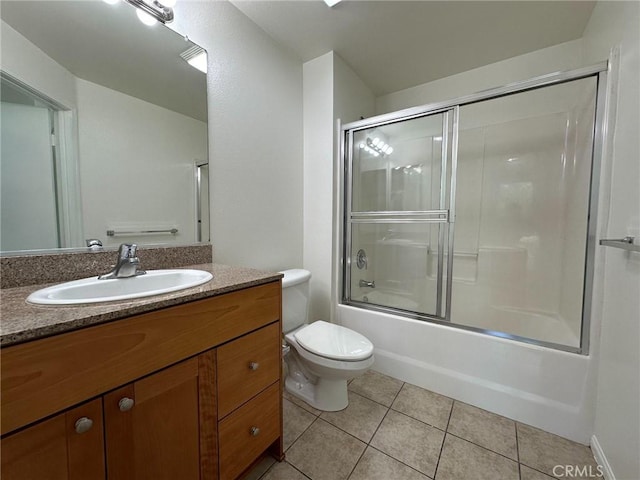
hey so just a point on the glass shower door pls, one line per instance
(397, 214)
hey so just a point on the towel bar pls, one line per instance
(625, 243)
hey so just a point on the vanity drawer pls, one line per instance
(246, 433)
(247, 366)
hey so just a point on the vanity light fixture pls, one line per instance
(162, 12)
(331, 3)
(196, 57)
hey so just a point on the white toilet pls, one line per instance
(323, 356)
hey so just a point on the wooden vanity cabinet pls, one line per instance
(173, 419)
(66, 446)
(153, 428)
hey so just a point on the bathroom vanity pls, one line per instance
(188, 387)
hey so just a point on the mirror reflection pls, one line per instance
(103, 129)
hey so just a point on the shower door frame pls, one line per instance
(345, 132)
(440, 216)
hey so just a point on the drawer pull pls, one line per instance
(253, 365)
(83, 425)
(255, 431)
(125, 404)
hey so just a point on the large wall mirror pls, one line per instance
(103, 129)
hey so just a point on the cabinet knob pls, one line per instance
(253, 365)
(125, 404)
(255, 431)
(83, 424)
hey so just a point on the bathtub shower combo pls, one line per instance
(478, 213)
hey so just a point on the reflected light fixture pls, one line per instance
(151, 11)
(145, 18)
(376, 147)
(331, 3)
(196, 57)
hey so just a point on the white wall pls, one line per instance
(318, 88)
(255, 137)
(331, 91)
(617, 423)
(23, 60)
(564, 56)
(144, 180)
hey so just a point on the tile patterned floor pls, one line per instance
(393, 430)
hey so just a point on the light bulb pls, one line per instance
(390, 151)
(376, 141)
(145, 18)
(361, 145)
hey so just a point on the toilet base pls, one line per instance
(328, 395)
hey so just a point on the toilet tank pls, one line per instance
(295, 298)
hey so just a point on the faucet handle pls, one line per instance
(127, 250)
(94, 243)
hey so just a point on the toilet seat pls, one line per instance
(333, 342)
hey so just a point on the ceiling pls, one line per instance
(393, 45)
(107, 45)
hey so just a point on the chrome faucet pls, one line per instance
(364, 283)
(127, 264)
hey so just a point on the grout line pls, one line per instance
(541, 472)
(376, 401)
(418, 420)
(484, 448)
(355, 465)
(305, 408)
(303, 432)
(385, 415)
(378, 427)
(400, 461)
(343, 431)
(301, 472)
(435, 472)
(515, 427)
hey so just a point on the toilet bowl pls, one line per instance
(323, 356)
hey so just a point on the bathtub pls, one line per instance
(539, 386)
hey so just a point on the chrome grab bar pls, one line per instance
(113, 233)
(625, 243)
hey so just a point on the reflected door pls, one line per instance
(29, 212)
(397, 214)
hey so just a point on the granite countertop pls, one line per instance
(21, 321)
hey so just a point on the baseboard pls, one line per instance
(600, 457)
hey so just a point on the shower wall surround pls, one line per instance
(522, 192)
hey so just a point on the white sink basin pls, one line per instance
(92, 290)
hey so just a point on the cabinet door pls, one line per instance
(153, 426)
(68, 446)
